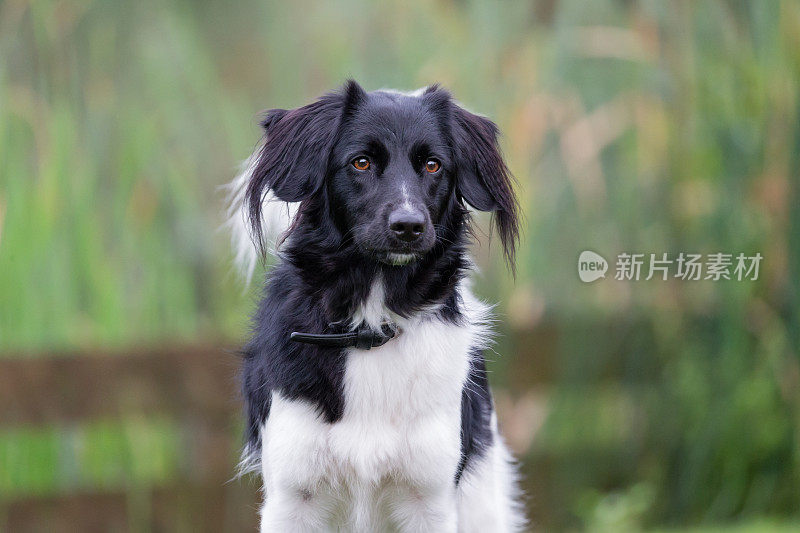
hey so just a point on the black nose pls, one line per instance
(407, 225)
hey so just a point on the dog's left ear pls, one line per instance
(483, 179)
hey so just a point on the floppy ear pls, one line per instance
(293, 159)
(483, 179)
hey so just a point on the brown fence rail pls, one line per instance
(193, 388)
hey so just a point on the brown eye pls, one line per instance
(432, 165)
(361, 163)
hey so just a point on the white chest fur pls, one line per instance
(403, 404)
(399, 436)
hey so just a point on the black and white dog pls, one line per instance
(367, 398)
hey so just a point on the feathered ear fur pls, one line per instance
(483, 179)
(293, 159)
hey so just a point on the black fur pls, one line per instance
(476, 412)
(339, 241)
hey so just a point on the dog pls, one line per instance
(367, 401)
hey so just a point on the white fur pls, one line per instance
(489, 499)
(401, 259)
(416, 93)
(277, 215)
(388, 463)
(406, 198)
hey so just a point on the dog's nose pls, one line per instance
(407, 225)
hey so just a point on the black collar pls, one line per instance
(363, 337)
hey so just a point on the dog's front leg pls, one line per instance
(430, 509)
(297, 496)
(290, 511)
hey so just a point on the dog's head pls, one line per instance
(387, 166)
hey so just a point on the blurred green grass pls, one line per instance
(632, 126)
(111, 453)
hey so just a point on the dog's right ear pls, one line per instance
(293, 159)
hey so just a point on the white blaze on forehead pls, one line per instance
(406, 197)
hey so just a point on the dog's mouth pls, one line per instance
(392, 254)
(396, 258)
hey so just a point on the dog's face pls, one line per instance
(387, 165)
(391, 175)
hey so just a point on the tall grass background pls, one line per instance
(632, 126)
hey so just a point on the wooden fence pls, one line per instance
(193, 389)
(176, 411)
